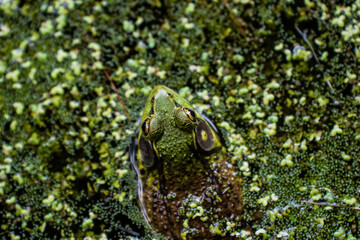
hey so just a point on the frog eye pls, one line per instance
(145, 126)
(151, 128)
(190, 114)
(147, 155)
(204, 136)
(185, 118)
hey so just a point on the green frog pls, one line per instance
(188, 188)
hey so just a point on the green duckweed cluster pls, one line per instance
(279, 78)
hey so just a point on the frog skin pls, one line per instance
(187, 187)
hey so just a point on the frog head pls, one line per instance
(172, 132)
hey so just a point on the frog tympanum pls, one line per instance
(187, 187)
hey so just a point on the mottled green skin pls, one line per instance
(174, 143)
(187, 193)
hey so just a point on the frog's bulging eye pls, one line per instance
(145, 126)
(190, 114)
(151, 128)
(204, 136)
(185, 118)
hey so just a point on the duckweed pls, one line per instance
(287, 105)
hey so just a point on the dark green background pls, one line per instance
(64, 168)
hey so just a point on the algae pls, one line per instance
(278, 77)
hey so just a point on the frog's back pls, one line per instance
(200, 205)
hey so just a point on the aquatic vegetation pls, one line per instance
(279, 78)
